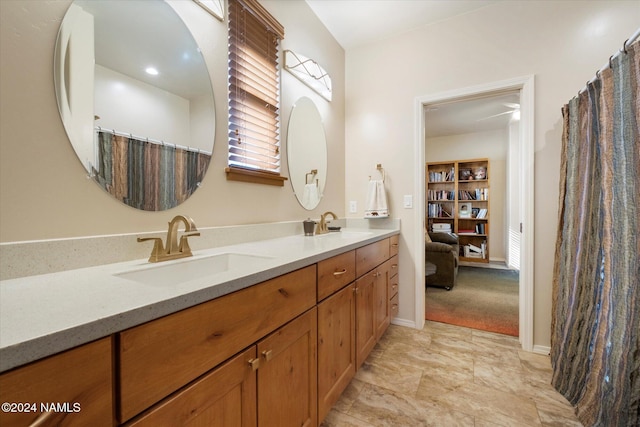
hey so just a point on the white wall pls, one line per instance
(493, 146)
(44, 192)
(119, 99)
(562, 43)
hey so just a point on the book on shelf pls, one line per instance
(440, 195)
(475, 194)
(482, 213)
(473, 251)
(440, 227)
(442, 176)
(466, 231)
(437, 210)
(480, 228)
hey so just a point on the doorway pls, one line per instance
(478, 138)
(523, 85)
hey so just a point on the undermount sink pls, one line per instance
(346, 234)
(172, 273)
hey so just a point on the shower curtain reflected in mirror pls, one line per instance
(146, 175)
(595, 343)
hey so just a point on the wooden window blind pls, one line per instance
(254, 94)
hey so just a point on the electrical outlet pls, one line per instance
(353, 206)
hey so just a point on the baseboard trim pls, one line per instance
(404, 322)
(542, 349)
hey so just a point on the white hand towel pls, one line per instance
(310, 196)
(376, 200)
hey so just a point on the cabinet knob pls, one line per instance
(254, 363)
(267, 354)
(394, 265)
(340, 273)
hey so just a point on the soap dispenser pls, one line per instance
(309, 226)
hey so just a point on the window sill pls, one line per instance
(255, 176)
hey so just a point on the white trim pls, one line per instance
(404, 322)
(526, 86)
(541, 349)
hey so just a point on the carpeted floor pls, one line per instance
(483, 298)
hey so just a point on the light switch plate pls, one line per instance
(408, 201)
(353, 206)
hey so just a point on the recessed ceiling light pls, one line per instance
(152, 71)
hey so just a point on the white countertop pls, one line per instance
(45, 314)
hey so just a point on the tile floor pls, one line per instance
(448, 375)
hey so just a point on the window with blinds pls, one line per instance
(254, 94)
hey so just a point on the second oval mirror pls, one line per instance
(135, 98)
(307, 153)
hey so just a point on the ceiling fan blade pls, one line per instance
(496, 115)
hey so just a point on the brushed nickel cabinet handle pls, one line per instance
(267, 354)
(394, 265)
(340, 273)
(395, 245)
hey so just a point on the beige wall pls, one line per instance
(493, 146)
(562, 43)
(44, 192)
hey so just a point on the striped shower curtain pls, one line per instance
(148, 176)
(595, 337)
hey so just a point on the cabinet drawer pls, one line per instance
(393, 266)
(393, 286)
(334, 273)
(394, 305)
(394, 241)
(163, 355)
(370, 256)
(80, 378)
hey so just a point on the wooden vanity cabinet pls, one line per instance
(73, 388)
(161, 356)
(272, 383)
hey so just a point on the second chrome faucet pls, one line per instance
(173, 249)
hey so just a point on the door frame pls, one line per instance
(525, 85)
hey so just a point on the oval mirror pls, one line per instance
(135, 98)
(307, 153)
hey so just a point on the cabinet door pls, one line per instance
(365, 316)
(287, 377)
(226, 397)
(381, 303)
(75, 388)
(336, 347)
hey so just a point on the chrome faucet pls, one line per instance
(322, 228)
(174, 249)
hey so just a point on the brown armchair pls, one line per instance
(442, 251)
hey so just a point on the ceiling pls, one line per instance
(389, 18)
(478, 114)
(380, 19)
